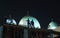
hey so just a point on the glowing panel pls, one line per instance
(23, 21)
(11, 21)
(52, 25)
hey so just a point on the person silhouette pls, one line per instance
(28, 22)
(32, 23)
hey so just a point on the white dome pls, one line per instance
(11, 21)
(52, 25)
(23, 21)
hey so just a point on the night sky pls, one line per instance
(42, 10)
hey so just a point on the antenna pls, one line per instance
(52, 19)
(9, 10)
(10, 16)
(27, 12)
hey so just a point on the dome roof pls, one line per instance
(52, 25)
(11, 21)
(24, 22)
(57, 29)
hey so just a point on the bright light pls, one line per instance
(8, 21)
(52, 25)
(11, 21)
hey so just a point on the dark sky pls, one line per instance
(42, 10)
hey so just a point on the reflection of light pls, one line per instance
(11, 21)
(23, 21)
(52, 25)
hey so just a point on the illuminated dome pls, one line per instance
(52, 25)
(11, 21)
(57, 29)
(24, 22)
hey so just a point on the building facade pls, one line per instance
(28, 27)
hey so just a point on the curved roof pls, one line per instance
(52, 25)
(24, 22)
(57, 29)
(11, 21)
